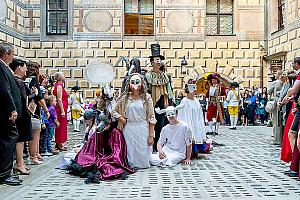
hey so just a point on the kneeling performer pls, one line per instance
(175, 142)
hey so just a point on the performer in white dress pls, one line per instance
(192, 114)
(135, 114)
(175, 142)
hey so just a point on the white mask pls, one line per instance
(108, 91)
(192, 88)
(135, 82)
(157, 60)
(170, 112)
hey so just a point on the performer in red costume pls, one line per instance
(294, 133)
(286, 150)
(216, 95)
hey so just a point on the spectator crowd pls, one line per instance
(252, 106)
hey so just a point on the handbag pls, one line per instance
(31, 107)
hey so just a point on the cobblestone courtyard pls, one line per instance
(247, 167)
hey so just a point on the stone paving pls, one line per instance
(247, 167)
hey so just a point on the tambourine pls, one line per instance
(99, 73)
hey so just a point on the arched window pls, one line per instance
(219, 17)
(139, 17)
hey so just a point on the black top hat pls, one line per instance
(155, 51)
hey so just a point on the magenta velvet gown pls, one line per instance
(108, 154)
(61, 131)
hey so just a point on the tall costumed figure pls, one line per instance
(160, 89)
(215, 111)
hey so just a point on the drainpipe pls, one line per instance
(266, 45)
(266, 26)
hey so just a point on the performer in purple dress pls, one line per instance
(103, 156)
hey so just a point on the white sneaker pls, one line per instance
(47, 154)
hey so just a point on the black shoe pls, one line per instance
(215, 133)
(11, 181)
(209, 133)
(25, 155)
(291, 173)
(16, 176)
(217, 144)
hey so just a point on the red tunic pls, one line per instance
(212, 110)
(61, 131)
(286, 150)
(295, 164)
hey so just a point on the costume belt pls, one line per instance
(214, 100)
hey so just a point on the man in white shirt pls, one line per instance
(175, 142)
(233, 98)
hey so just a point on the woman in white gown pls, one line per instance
(192, 114)
(135, 114)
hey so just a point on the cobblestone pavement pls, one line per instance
(247, 167)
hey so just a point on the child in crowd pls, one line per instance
(203, 103)
(88, 105)
(76, 102)
(175, 142)
(52, 124)
(251, 106)
(43, 138)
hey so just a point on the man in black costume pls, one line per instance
(11, 107)
(160, 88)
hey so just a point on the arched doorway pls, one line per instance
(203, 84)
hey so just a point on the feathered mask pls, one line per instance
(170, 111)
